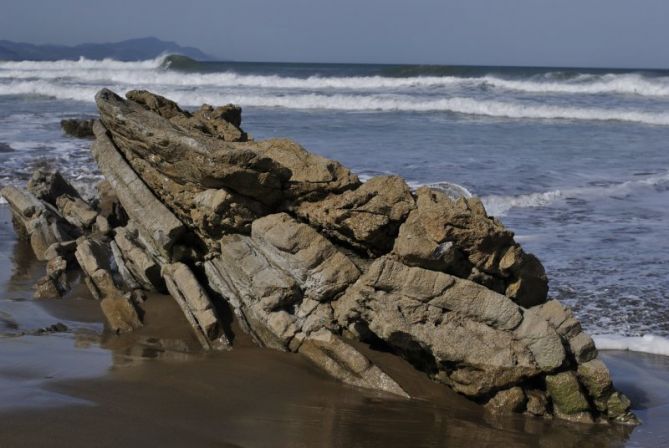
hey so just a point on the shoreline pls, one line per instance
(143, 389)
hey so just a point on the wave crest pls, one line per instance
(377, 103)
(656, 345)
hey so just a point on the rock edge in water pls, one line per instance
(307, 258)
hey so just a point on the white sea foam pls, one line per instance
(629, 84)
(153, 72)
(656, 345)
(2, 200)
(498, 205)
(379, 103)
(81, 64)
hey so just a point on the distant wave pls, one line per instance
(628, 84)
(500, 205)
(380, 103)
(656, 345)
(168, 70)
(83, 64)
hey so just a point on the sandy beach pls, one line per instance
(83, 386)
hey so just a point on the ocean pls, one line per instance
(575, 161)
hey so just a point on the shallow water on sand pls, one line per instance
(83, 387)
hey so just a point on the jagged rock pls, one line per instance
(566, 394)
(49, 185)
(312, 176)
(277, 280)
(455, 236)
(221, 122)
(318, 267)
(120, 313)
(95, 258)
(129, 280)
(196, 305)
(595, 376)
(37, 221)
(23, 203)
(537, 402)
(254, 287)
(543, 341)
(618, 408)
(76, 211)
(216, 212)
(367, 218)
(54, 284)
(214, 121)
(455, 330)
(137, 258)
(204, 161)
(184, 167)
(46, 288)
(78, 127)
(159, 104)
(507, 401)
(347, 364)
(163, 228)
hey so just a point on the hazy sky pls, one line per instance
(622, 33)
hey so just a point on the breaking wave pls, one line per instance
(378, 103)
(170, 70)
(73, 67)
(499, 205)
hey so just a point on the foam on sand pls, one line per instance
(657, 345)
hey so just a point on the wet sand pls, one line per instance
(84, 387)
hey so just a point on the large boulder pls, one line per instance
(78, 127)
(310, 260)
(457, 236)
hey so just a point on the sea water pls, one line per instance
(575, 161)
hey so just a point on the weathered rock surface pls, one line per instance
(49, 185)
(36, 221)
(221, 122)
(309, 259)
(76, 211)
(163, 228)
(78, 127)
(213, 185)
(367, 218)
(95, 259)
(196, 305)
(459, 238)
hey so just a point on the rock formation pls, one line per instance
(78, 127)
(308, 259)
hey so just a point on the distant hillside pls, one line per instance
(127, 50)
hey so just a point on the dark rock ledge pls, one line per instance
(307, 258)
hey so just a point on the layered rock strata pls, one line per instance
(308, 259)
